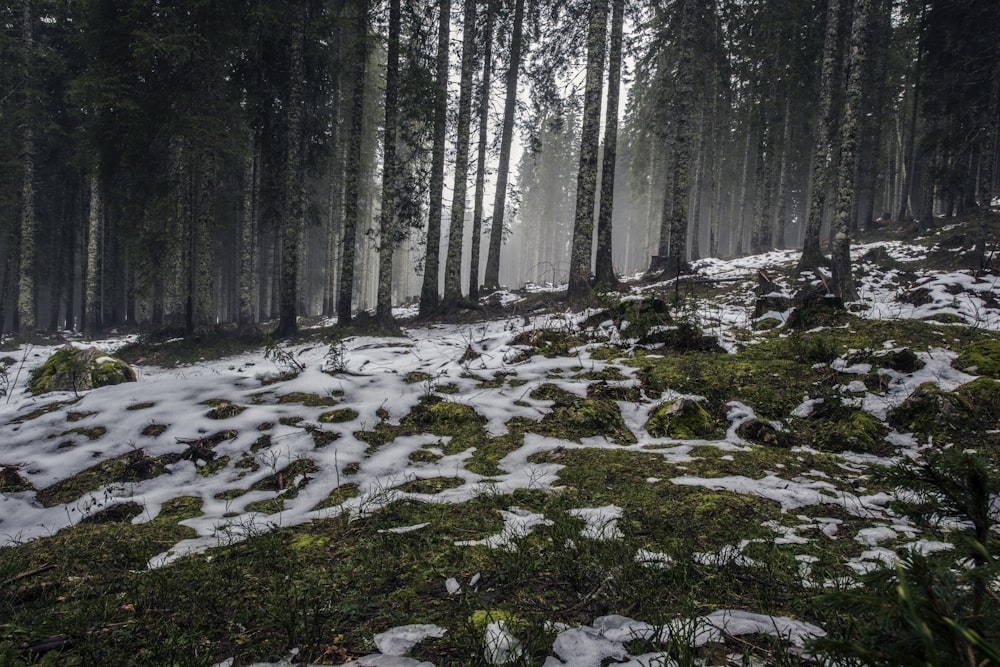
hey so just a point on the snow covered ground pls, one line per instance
(374, 386)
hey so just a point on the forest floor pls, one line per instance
(671, 477)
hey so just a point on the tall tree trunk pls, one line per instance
(740, 205)
(92, 323)
(432, 260)
(699, 182)
(811, 254)
(909, 166)
(26, 268)
(453, 262)
(291, 225)
(352, 183)
(676, 261)
(491, 281)
(388, 232)
(578, 292)
(604, 270)
(484, 108)
(781, 223)
(246, 322)
(203, 256)
(843, 279)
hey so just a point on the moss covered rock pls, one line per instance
(684, 419)
(930, 410)
(981, 357)
(79, 369)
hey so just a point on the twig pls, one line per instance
(28, 573)
(18, 374)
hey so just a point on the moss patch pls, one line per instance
(339, 416)
(575, 418)
(338, 496)
(309, 400)
(431, 485)
(683, 419)
(222, 408)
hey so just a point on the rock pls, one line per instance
(904, 361)
(929, 410)
(79, 369)
(761, 432)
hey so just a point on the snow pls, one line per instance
(46, 450)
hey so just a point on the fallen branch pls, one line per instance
(28, 573)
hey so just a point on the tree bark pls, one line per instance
(291, 225)
(92, 320)
(843, 279)
(387, 220)
(781, 223)
(484, 107)
(491, 281)
(429, 301)
(26, 267)
(246, 322)
(604, 270)
(812, 257)
(581, 249)
(354, 169)
(453, 262)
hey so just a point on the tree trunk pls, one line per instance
(92, 321)
(387, 220)
(843, 279)
(604, 270)
(248, 237)
(291, 225)
(203, 255)
(781, 223)
(586, 183)
(432, 261)
(676, 261)
(484, 108)
(699, 182)
(492, 279)
(354, 169)
(26, 267)
(740, 206)
(812, 257)
(453, 262)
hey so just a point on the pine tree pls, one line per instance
(579, 292)
(388, 232)
(604, 271)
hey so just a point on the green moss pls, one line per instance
(842, 429)
(308, 400)
(180, 508)
(980, 357)
(214, 466)
(91, 433)
(682, 419)
(134, 466)
(930, 411)
(424, 456)
(144, 405)
(339, 416)
(983, 398)
(42, 410)
(577, 418)
(222, 408)
(415, 377)
(338, 496)
(78, 369)
(230, 494)
(78, 416)
(431, 485)
(266, 506)
(154, 429)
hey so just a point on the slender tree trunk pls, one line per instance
(604, 270)
(909, 166)
(453, 262)
(699, 182)
(26, 268)
(429, 290)
(248, 237)
(586, 185)
(781, 224)
(740, 206)
(92, 323)
(492, 279)
(843, 279)
(354, 169)
(388, 232)
(484, 108)
(811, 254)
(291, 226)
(203, 256)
